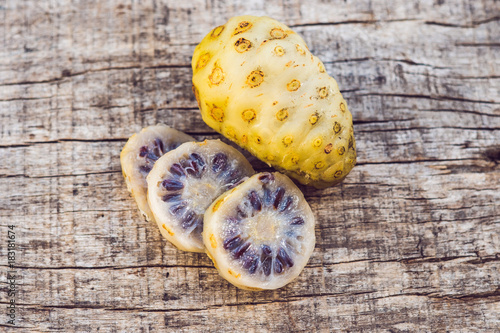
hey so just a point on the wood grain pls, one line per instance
(409, 242)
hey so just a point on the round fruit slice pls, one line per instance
(260, 235)
(139, 155)
(185, 181)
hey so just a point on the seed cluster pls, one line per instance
(195, 168)
(183, 183)
(139, 155)
(151, 154)
(261, 233)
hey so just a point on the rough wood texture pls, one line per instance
(409, 242)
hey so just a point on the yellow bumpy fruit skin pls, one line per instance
(257, 83)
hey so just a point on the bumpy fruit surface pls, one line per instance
(260, 235)
(140, 154)
(257, 83)
(185, 181)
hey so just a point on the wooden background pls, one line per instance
(410, 242)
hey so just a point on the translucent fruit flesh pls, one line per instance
(185, 181)
(140, 153)
(260, 235)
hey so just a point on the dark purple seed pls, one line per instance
(177, 170)
(156, 150)
(253, 267)
(266, 266)
(266, 250)
(284, 257)
(190, 172)
(178, 209)
(247, 260)
(267, 197)
(152, 156)
(188, 219)
(238, 252)
(160, 146)
(145, 168)
(143, 151)
(171, 197)
(198, 159)
(250, 262)
(285, 204)
(278, 196)
(219, 162)
(232, 243)
(233, 176)
(156, 153)
(255, 201)
(193, 170)
(196, 167)
(278, 266)
(172, 185)
(297, 220)
(266, 178)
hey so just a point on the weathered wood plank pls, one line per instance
(409, 242)
(358, 314)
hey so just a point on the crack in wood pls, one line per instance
(292, 298)
(349, 22)
(422, 160)
(418, 128)
(407, 261)
(109, 267)
(478, 44)
(431, 97)
(474, 24)
(461, 111)
(69, 74)
(61, 175)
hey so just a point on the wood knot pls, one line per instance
(493, 154)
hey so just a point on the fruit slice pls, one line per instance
(260, 235)
(139, 155)
(185, 181)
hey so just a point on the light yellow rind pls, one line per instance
(257, 83)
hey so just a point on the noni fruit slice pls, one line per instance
(260, 235)
(139, 155)
(185, 181)
(257, 83)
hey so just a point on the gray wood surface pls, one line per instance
(409, 242)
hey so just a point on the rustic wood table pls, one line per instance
(409, 242)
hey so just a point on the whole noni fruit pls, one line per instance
(257, 83)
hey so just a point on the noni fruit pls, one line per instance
(257, 83)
